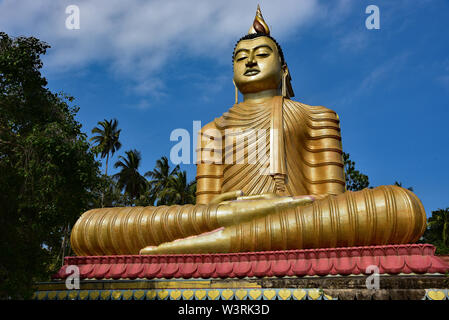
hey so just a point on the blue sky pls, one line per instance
(159, 65)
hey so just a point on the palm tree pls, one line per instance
(107, 139)
(178, 191)
(160, 176)
(129, 177)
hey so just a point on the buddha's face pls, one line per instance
(257, 65)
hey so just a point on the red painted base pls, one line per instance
(390, 259)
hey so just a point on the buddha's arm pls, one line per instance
(209, 174)
(321, 159)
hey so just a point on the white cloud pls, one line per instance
(143, 104)
(354, 41)
(138, 39)
(379, 76)
(381, 72)
(141, 36)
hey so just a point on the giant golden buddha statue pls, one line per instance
(292, 196)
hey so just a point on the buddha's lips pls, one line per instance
(251, 72)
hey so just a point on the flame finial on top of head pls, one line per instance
(259, 24)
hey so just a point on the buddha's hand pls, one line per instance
(235, 208)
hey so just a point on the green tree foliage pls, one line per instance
(178, 190)
(399, 184)
(129, 179)
(355, 180)
(47, 168)
(437, 232)
(160, 177)
(108, 194)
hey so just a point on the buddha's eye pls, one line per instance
(241, 58)
(263, 55)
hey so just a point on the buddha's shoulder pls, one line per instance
(299, 106)
(209, 128)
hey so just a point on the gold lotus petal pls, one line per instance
(83, 294)
(187, 294)
(200, 294)
(314, 294)
(284, 294)
(255, 293)
(162, 294)
(269, 294)
(93, 295)
(299, 294)
(227, 294)
(52, 295)
(151, 294)
(138, 294)
(213, 294)
(436, 294)
(240, 294)
(116, 295)
(41, 295)
(175, 294)
(62, 295)
(73, 294)
(127, 294)
(105, 295)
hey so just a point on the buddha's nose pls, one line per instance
(251, 62)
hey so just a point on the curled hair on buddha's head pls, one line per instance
(257, 35)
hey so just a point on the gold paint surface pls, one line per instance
(299, 294)
(93, 295)
(162, 294)
(255, 294)
(52, 295)
(84, 294)
(62, 295)
(227, 294)
(105, 295)
(436, 294)
(73, 294)
(153, 284)
(240, 294)
(138, 294)
(269, 294)
(151, 294)
(41, 295)
(314, 294)
(284, 294)
(127, 295)
(175, 294)
(200, 294)
(116, 295)
(213, 294)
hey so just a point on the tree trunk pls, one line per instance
(105, 173)
(107, 160)
(445, 232)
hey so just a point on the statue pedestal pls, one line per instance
(404, 271)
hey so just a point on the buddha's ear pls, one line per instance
(284, 68)
(287, 90)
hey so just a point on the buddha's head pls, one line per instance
(259, 61)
